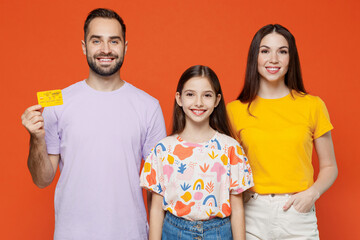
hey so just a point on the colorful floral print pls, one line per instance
(196, 180)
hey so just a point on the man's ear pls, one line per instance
(126, 45)
(83, 45)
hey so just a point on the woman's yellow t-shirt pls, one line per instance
(278, 139)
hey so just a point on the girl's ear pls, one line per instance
(218, 98)
(178, 99)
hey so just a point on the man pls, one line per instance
(98, 138)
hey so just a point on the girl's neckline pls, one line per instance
(194, 143)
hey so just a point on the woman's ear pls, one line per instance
(178, 99)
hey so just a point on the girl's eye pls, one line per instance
(189, 94)
(208, 95)
(264, 51)
(283, 51)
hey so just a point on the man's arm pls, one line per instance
(42, 166)
(155, 131)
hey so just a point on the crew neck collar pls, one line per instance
(90, 89)
(276, 99)
(192, 143)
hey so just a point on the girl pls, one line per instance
(278, 123)
(199, 171)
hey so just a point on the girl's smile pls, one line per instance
(198, 112)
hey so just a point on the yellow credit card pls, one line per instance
(50, 98)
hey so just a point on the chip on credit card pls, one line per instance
(50, 98)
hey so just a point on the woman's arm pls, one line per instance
(328, 172)
(327, 163)
(156, 217)
(237, 217)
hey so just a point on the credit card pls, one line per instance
(50, 98)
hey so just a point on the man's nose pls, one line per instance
(105, 48)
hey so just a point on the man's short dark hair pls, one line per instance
(103, 13)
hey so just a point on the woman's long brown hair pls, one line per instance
(293, 77)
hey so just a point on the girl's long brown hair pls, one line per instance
(218, 118)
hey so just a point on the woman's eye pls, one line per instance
(264, 51)
(283, 52)
(189, 94)
(208, 95)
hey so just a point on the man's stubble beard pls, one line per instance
(105, 72)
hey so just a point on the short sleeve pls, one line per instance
(52, 137)
(321, 119)
(155, 131)
(152, 174)
(240, 172)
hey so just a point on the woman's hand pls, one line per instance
(303, 201)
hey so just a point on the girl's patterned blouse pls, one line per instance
(196, 179)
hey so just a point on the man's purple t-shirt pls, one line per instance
(101, 138)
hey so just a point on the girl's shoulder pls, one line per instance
(171, 139)
(225, 139)
(164, 145)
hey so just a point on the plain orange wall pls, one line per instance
(41, 50)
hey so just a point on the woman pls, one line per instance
(278, 123)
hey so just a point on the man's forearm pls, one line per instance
(39, 163)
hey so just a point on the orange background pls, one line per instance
(41, 49)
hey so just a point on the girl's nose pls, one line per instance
(199, 102)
